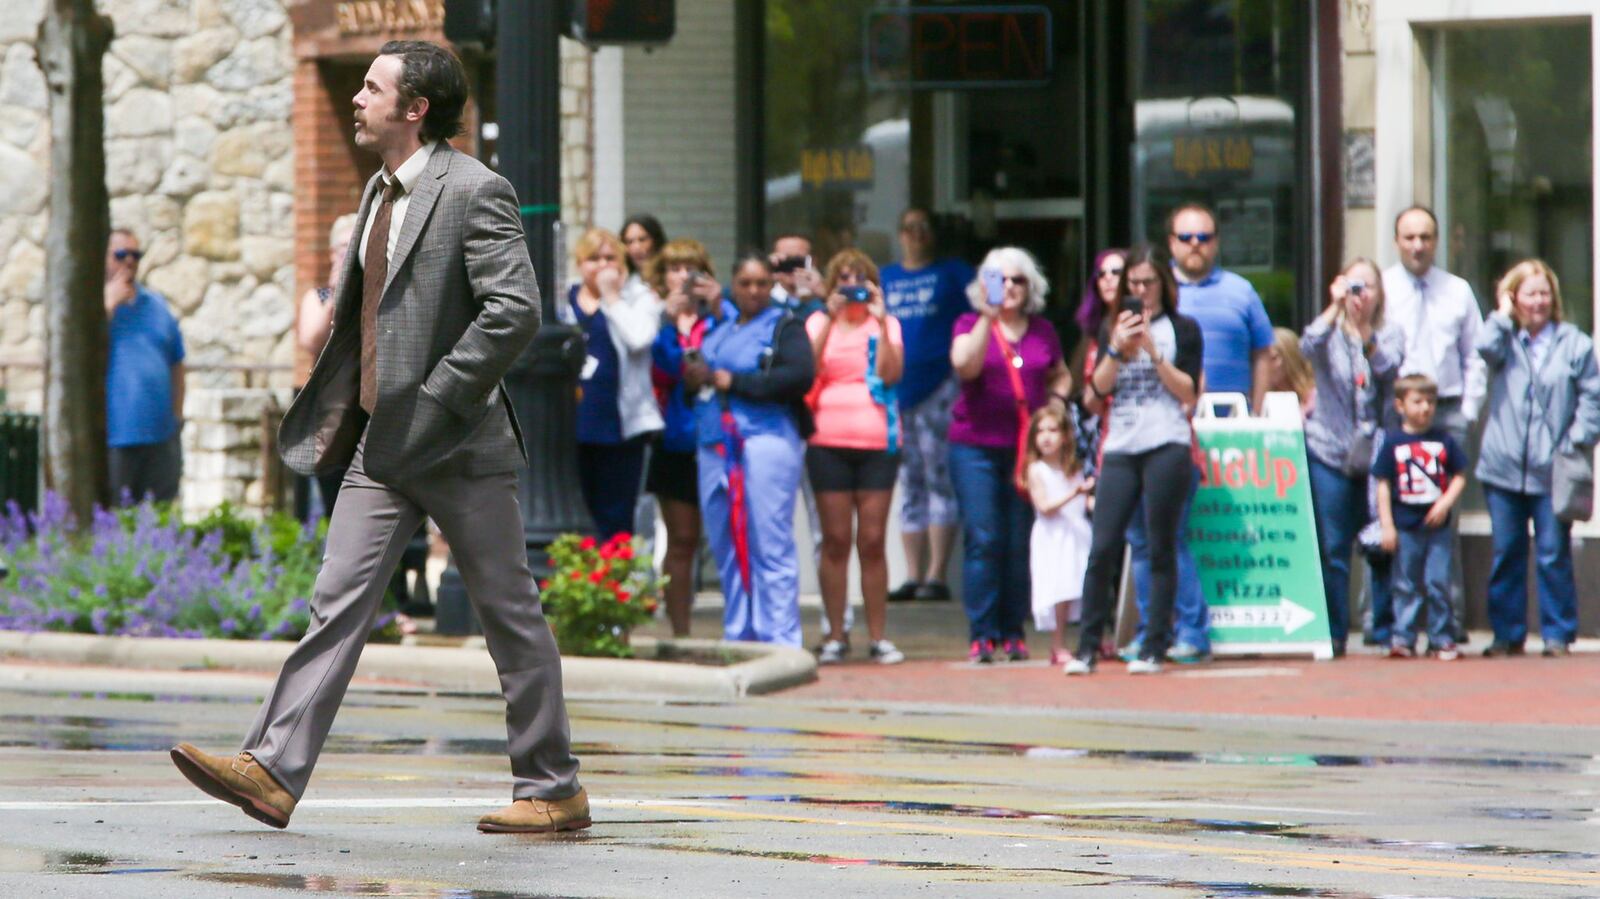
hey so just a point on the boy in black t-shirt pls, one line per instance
(1420, 476)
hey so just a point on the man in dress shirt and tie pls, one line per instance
(433, 307)
(1439, 317)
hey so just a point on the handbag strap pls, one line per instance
(1013, 368)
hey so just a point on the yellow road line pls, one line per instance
(1350, 862)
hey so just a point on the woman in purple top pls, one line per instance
(1008, 360)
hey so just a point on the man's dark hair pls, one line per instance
(1157, 258)
(432, 73)
(1192, 206)
(797, 234)
(1416, 207)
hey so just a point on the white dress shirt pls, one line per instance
(1439, 318)
(409, 173)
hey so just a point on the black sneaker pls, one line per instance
(905, 592)
(1502, 649)
(933, 591)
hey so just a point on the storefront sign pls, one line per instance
(379, 16)
(1201, 156)
(843, 168)
(1254, 538)
(954, 47)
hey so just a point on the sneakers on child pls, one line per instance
(981, 651)
(1446, 652)
(1144, 666)
(1016, 650)
(1079, 665)
(1400, 651)
(832, 652)
(884, 653)
(1059, 657)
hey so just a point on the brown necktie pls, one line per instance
(375, 271)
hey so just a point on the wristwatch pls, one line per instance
(1112, 352)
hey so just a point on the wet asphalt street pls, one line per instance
(787, 797)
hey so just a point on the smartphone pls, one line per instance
(694, 355)
(689, 279)
(1356, 286)
(994, 286)
(1133, 304)
(855, 293)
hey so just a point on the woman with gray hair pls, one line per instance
(1009, 362)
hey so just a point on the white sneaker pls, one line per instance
(1076, 666)
(885, 653)
(1144, 666)
(832, 652)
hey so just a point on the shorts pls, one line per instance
(927, 496)
(674, 476)
(833, 469)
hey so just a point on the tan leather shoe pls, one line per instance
(539, 815)
(239, 781)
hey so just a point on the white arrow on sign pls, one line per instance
(1287, 615)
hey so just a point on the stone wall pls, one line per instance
(197, 165)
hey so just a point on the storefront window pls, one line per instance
(1217, 89)
(1514, 155)
(972, 110)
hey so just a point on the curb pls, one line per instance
(467, 668)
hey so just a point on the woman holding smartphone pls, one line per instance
(1150, 366)
(854, 456)
(694, 306)
(1009, 362)
(1354, 356)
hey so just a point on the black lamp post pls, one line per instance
(543, 384)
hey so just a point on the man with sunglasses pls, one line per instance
(1237, 332)
(144, 381)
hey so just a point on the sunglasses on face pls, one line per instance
(1019, 280)
(1199, 237)
(125, 255)
(1111, 273)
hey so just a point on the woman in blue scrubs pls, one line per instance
(758, 367)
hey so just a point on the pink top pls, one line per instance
(845, 413)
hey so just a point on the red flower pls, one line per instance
(608, 551)
(544, 584)
(622, 595)
(596, 577)
(586, 543)
(577, 575)
(621, 537)
(626, 553)
(611, 585)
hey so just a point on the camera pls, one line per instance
(689, 278)
(855, 293)
(790, 264)
(1356, 286)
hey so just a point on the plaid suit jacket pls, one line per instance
(458, 308)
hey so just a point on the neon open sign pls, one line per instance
(954, 47)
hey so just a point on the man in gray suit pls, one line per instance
(436, 301)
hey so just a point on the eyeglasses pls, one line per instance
(125, 255)
(1111, 273)
(1142, 283)
(1019, 280)
(917, 228)
(1199, 237)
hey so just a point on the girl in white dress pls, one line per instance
(1058, 550)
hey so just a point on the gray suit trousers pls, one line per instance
(371, 525)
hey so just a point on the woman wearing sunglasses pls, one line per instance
(1008, 359)
(1151, 366)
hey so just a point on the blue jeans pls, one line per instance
(1422, 585)
(1340, 503)
(1191, 617)
(1509, 513)
(997, 522)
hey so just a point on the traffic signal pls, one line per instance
(470, 23)
(623, 21)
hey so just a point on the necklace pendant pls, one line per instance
(1016, 361)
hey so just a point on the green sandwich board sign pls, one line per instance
(1253, 534)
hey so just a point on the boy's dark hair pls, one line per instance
(435, 74)
(1418, 383)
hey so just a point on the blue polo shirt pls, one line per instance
(927, 301)
(144, 344)
(1234, 324)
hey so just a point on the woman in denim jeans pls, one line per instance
(1354, 356)
(1008, 360)
(1544, 399)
